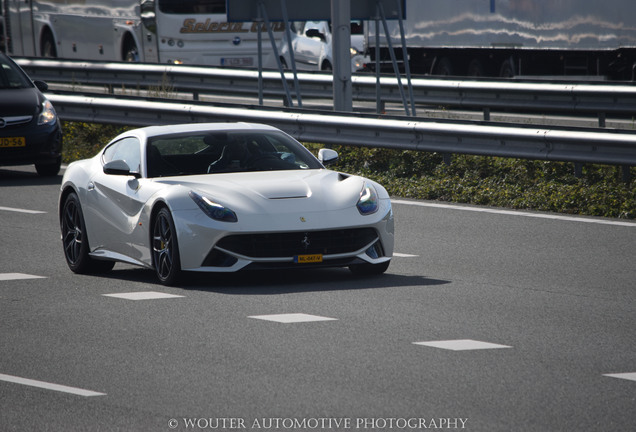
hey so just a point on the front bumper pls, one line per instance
(206, 250)
(43, 144)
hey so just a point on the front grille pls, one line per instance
(14, 121)
(289, 244)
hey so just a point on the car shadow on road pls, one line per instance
(26, 176)
(297, 281)
(267, 282)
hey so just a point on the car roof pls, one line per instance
(153, 131)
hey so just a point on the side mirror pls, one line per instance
(327, 156)
(118, 167)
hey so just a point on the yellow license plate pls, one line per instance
(12, 142)
(308, 259)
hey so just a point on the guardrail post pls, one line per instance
(381, 107)
(626, 174)
(601, 119)
(486, 114)
(578, 170)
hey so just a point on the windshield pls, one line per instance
(10, 76)
(225, 152)
(192, 6)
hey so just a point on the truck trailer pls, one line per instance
(506, 38)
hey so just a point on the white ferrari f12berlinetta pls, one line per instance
(220, 197)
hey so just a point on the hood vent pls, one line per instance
(288, 197)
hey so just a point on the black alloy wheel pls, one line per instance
(165, 249)
(75, 239)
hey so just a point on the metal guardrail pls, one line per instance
(597, 98)
(490, 139)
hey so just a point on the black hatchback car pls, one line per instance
(30, 132)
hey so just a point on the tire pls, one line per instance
(75, 240)
(326, 66)
(165, 248)
(48, 169)
(48, 48)
(130, 52)
(369, 269)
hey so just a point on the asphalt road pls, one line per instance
(553, 299)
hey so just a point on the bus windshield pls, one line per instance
(192, 7)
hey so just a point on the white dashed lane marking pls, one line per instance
(292, 318)
(49, 386)
(145, 295)
(627, 376)
(461, 345)
(19, 210)
(18, 276)
(403, 255)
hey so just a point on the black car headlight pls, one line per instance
(213, 210)
(368, 202)
(48, 115)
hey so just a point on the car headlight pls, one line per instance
(213, 210)
(48, 115)
(368, 202)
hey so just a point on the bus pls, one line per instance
(194, 32)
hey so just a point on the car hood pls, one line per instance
(19, 102)
(278, 191)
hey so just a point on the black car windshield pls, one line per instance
(10, 76)
(225, 152)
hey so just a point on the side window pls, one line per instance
(11, 78)
(128, 150)
(298, 27)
